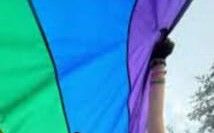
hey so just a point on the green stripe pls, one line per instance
(29, 97)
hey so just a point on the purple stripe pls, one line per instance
(149, 17)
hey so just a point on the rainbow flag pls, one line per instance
(71, 66)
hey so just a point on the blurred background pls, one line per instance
(190, 80)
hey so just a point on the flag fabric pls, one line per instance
(79, 66)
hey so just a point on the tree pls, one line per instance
(169, 129)
(203, 103)
(187, 131)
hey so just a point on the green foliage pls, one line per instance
(203, 103)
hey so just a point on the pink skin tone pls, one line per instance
(156, 122)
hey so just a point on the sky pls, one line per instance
(193, 56)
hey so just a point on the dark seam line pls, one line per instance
(127, 60)
(52, 60)
(180, 14)
(164, 34)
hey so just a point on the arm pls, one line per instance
(156, 122)
(156, 101)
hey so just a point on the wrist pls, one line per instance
(158, 73)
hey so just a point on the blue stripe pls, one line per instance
(88, 41)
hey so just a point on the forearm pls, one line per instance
(156, 98)
(156, 101)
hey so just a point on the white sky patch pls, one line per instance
(193, 56)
